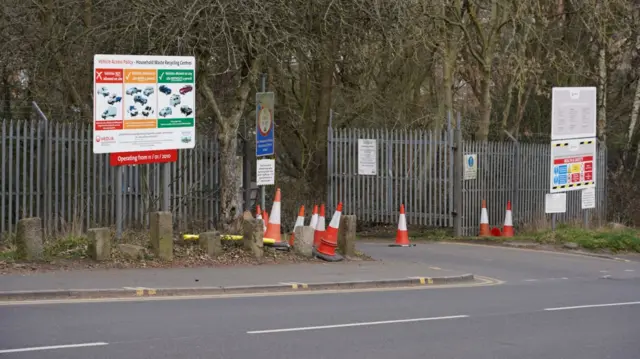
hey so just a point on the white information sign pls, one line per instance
(143, 103)
(573, 164)
(555, 203)
(588, 198)
(367, 157)
(266, 172)
(573, 112)
(470, 167)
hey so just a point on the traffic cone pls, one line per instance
(320, 228)
(265, 219)
(299, 223)
(258, 212)
(484, 221)
(507, 230)
(329, 242)
(314, 217)
(273, 228)
(402, 234)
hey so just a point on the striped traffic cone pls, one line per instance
(320, 228)
(314, 217)
(273, 228)
(258, 212)
(484, 221)
(329, 243)
(299, 223)
(402, 234)
(265, 219)
(507, 230)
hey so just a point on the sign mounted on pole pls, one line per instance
(573, 164)
(367, 157)
(142, 157)
(264, 124)
(573, 112)
(143, 103)
(265, 172)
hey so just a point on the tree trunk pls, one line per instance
(602, 92)
(482, 134)
(229, 180)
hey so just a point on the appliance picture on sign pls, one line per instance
(573, 165)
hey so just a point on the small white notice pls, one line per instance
(266, 172)
(367, 157)
(588, 198)
(470, 167)
(555, 203)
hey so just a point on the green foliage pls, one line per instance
(67, 247)
(614, 239)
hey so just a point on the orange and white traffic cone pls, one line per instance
(258, 212)
(507, 230)
(299, 223)
(273, 228)
(484, 221)
(320, 228)
(265, 219)
(314, 217)
(402, 234)
(329, 243)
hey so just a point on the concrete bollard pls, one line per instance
(210, 242)
(99, 243)
(162, 235)
(347, 235)
(29, 239)
(303, 241)
(253, 236)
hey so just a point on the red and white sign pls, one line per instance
(142, 157)
(573, 164)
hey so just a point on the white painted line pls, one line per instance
(362, 324)
(604, 271)
(530, 280)
(593, 306)
(629, 270)
(68, 346)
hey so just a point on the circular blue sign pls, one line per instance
(470, 161)
(556, 180)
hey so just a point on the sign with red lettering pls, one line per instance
(573, 164)
(142, 157)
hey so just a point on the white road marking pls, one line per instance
(629, 270)
(362, 324)
(604, 271)
(593, 306)
(530, 280)
(52, 347)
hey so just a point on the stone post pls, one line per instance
(253, 232)
(210, 242)
(303, 241)
(100, 243)
(29, 239)
(347, 235)
(162, 235)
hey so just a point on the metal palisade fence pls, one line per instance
(49, 170)
(416, 168)
(520, 173)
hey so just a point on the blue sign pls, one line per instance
(470, 161)
(264, 124)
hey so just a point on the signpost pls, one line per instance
(265, 138)
(143, 112)
(573, 146)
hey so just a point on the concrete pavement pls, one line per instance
(186, 281)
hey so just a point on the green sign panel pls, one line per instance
(176, 122)
(175, 76)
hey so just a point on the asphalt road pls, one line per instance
(588, 315)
